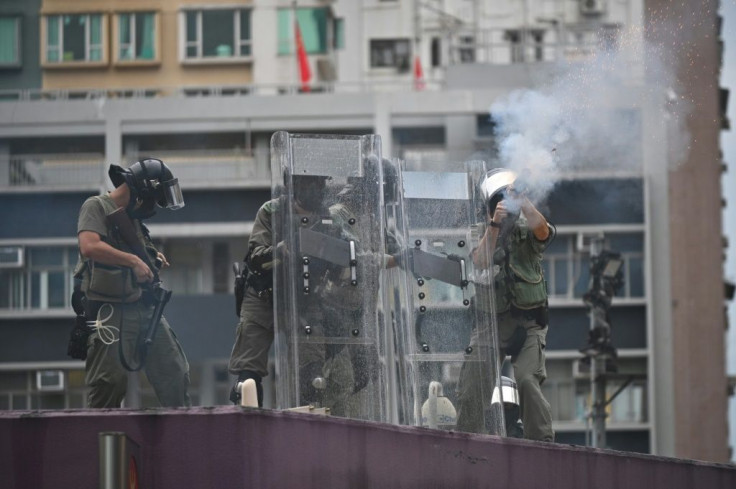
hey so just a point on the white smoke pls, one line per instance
(588, 117)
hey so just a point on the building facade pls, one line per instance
(203, 85)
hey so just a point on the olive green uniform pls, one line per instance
(520, 303)
(112, 291)
(254, 334)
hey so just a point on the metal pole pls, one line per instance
(597, 370)
(119, 459)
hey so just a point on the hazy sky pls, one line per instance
(728, 143)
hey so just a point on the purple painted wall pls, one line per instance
(230, 447)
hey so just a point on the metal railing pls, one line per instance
(405, 84)
(554, 42)
(194, 168)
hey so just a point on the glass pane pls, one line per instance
(57, 291)
(626, 242)
(561, 281)
(339, 33)
(582, 276)
(245, 25)
(218, 32)
(73, 34)
(52, 31)
(95, 29)
(5, 289)
(192, 26)
(52, 38)
(124, 38)
(8, 40)
(560, 244)
(43, 257)
(191, 51)
(285, 32)
(95, 54)
(35, 290)
(20, 401)
(145, 36)
(636, 277)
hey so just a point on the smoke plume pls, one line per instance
(588, 117)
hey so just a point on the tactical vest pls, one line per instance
(110, 283)
(518, 275)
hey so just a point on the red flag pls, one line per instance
(418, 74)
(305, 74)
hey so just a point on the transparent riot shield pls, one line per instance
(450, 369)
(330, 251)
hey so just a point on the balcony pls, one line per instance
(194, 168)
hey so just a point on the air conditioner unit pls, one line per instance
(583, 241)
(50, 380)
(580, 369)
(11, 256)
(592, 7)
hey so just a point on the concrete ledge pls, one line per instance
(225, 447)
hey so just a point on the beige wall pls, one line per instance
(168, 72)
(698, 332)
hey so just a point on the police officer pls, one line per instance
(254, 334)
(116, 285)
(511, 250)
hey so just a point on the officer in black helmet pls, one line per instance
(116, 284)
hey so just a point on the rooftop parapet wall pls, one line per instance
(234, 447)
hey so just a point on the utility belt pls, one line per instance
(539, 315)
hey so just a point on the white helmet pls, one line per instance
(495, 181)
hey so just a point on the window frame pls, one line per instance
(61, 63)
(18, 41)
(576, 258)
(116, 46)
(395, 67)
(22, 295)
(238, 43)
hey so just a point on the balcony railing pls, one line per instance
(194, 168)
(553, 41)
(404, 84)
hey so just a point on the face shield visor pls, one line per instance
(172, 197)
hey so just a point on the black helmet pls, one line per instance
(151, 183)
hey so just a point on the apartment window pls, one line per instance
(391, 53)
(9, 41)
(74, 38)
(213, 34)
(313, 24)
(466, 49)
(136, 36)
(339, 36)
(567, 270)
(45, 280)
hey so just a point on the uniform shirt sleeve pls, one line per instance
(537, 245)
(262, 233)
(92, 217)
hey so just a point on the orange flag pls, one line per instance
(305, 74)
